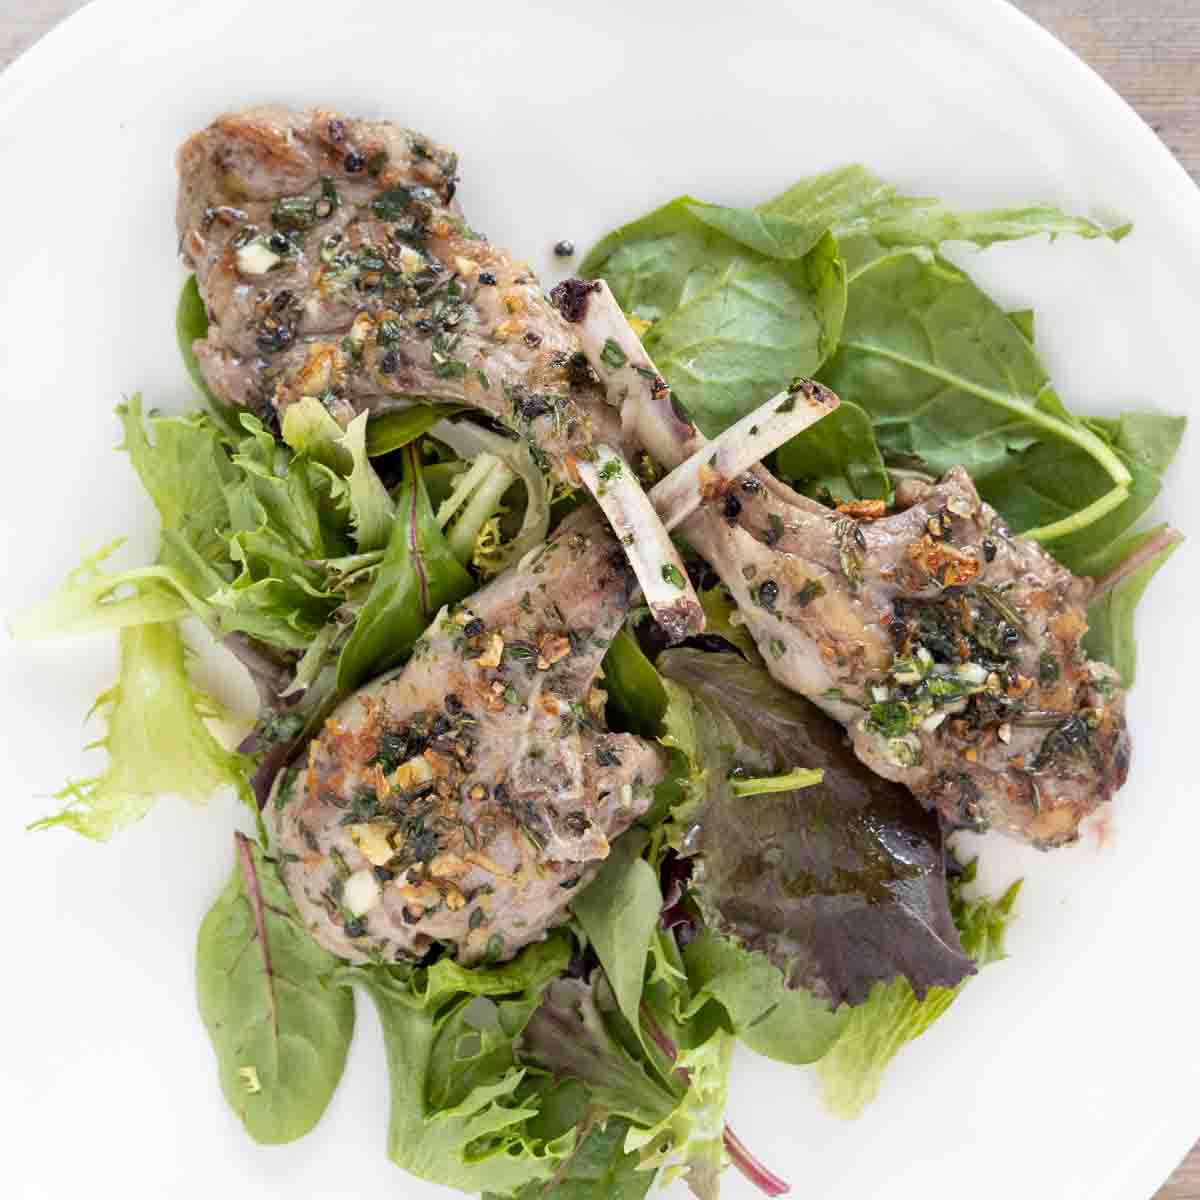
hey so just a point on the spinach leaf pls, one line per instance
(279, 1033)
(418, 575)
(1110, 617)
(156, 740)
(853, 202)
(840, 885)
(741, 303)
(467, 1125)
(837, 455)
(619, 911)
(945, 374)
(1050, 481)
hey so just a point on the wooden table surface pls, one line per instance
(1149, 50)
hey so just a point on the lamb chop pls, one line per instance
(465, 799)
(335, 263)
(950, 649)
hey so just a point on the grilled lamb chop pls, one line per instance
(465, 799)
(335, 263)
(951, 649)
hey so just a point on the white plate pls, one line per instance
(1069, 1071)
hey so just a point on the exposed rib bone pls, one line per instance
(648, 546)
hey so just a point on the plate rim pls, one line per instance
(1154, 1155)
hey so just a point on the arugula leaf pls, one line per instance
(787, 1024)
(945, 374)
(853, 202)
(479, 1135)
(279, 1032)
(619, 911)
(892, 1016)
(741, 303)
(419, 574)
(156, 740)
(1049, 482)
(1110, 617)
(762, 872)
(837, 455)
(599, 1169)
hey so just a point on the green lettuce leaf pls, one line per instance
(156, 740)
(390, 431)
(419, 574)
(636, 698)
(371, 509)
(892, 1016)
(619, 911)
(309, 429)
(92, 599)
(185, 472)
(459, 1113)
(280, 1034)
(599, 1169)
(787, 1024)
(740, 303)
(855, 203)
(677, 1125)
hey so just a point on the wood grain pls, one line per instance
(1149, 50)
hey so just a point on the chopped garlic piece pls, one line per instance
(411, 774)
(256, 258)
(250, 1079)
(372, 843)
(361, 892)
(494, 652)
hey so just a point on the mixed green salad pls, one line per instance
(600, 1057)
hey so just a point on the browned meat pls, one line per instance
(465, 799)
(952, 650)
(335, 262)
